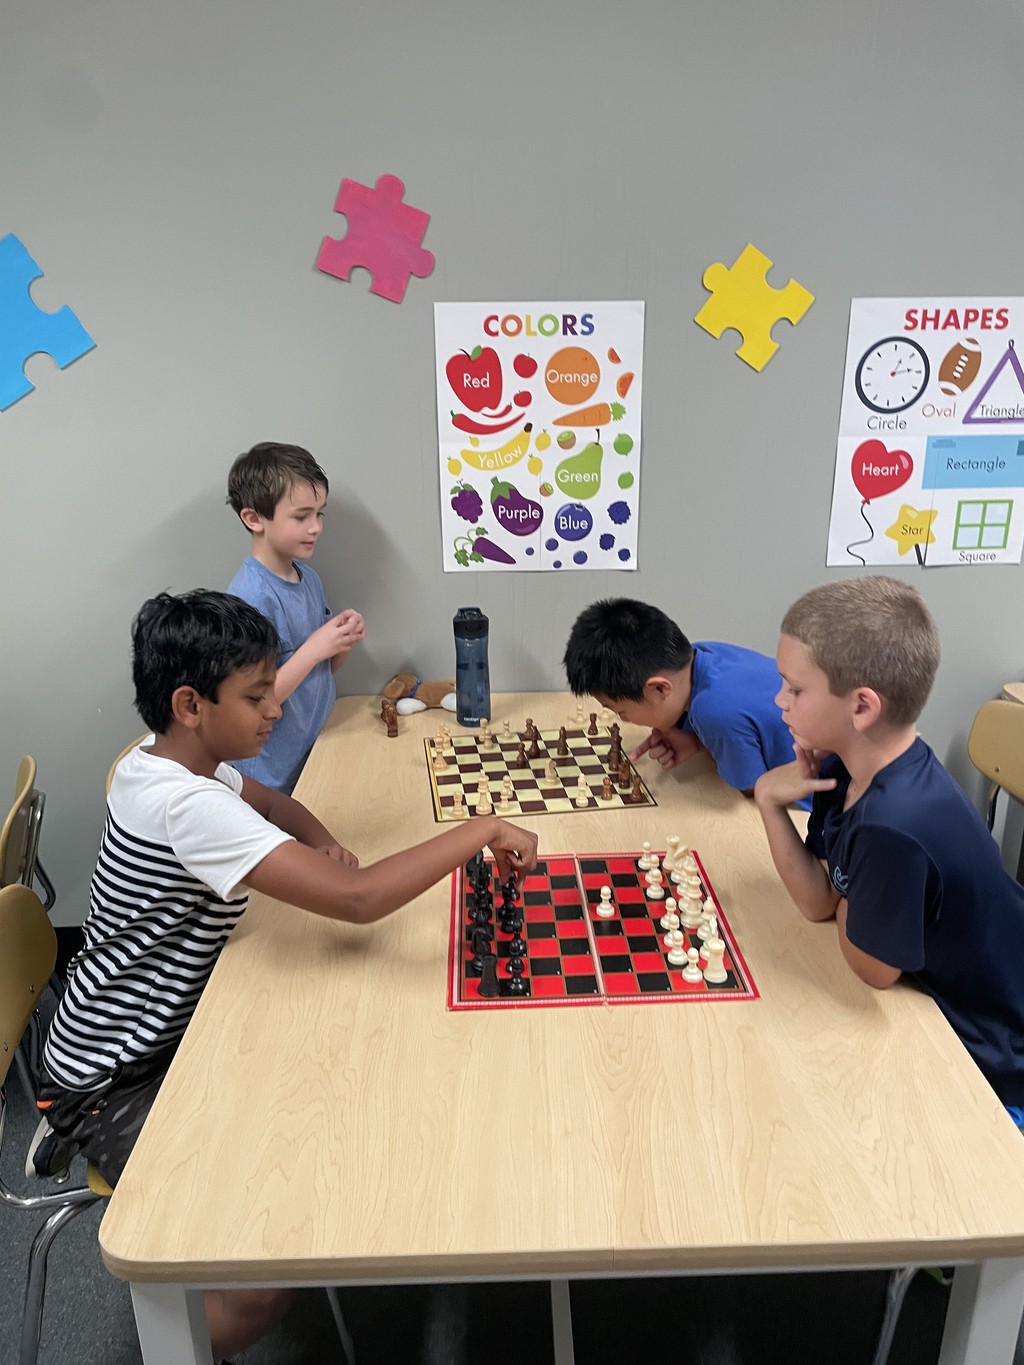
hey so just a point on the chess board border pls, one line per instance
(616, 804)
(456, 951)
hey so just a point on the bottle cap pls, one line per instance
(470, 623)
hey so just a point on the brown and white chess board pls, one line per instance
(533, 792)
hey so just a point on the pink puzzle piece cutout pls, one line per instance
(384, 236)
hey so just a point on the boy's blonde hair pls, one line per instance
(870, 632)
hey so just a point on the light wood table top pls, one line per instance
(328, 1117)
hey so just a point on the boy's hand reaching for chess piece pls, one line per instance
(668, 747)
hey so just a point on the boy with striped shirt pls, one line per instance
(186, 837)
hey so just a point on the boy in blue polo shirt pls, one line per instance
(279, 492)
(635, 660)
(894, 851)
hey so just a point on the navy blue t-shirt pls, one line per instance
(927, 893)
(733, 712)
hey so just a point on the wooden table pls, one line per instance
(328, 1120)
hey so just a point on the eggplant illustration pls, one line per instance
(518, 515)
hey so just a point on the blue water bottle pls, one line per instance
(472, 676)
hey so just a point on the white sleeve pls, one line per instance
(216, 835)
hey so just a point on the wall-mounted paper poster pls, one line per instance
(538, 419)
(930, 463)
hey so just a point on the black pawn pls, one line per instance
(481, 948)
(517, 986)
(489, 977)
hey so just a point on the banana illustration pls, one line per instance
(508, 454)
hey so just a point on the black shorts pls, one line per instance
(103, 1124)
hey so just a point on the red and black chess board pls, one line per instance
(573, 957)
(534, 792)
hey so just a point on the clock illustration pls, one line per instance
(892, 374)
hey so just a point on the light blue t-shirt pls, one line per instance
(296, 609)
(733, 713)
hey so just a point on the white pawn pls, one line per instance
(670, 914)
(507, 794)
(655, 892)
(714, 972)
(578, 717)
(506, 729)
(704, 931)
(692, 971)
(667, 865)
(644, 861)
(677, 954)
(582, 794)
(604, 908)
(458, 804)
(655, 867)
(486, 737)
(607, 716)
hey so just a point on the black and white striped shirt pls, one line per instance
(165, 896)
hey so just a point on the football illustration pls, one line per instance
(960, 366)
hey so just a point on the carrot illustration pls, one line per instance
(599, 415)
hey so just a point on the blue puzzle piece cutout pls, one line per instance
(25, 328)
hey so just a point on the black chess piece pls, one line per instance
(517, 986)
(489, 977)
(481, 949)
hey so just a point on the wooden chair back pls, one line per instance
(996, 746)
(15, 836)
(28, 952)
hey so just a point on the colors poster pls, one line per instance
(538, 419)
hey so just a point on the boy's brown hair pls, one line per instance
(262, 476)
(870, 632)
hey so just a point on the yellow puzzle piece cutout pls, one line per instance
(912, 528)
(741, 297)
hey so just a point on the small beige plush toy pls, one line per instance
(410, 693)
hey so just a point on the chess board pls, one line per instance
(534, 794)
(573, 957)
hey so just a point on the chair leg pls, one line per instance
(895, 1293)
(344, 1335)
(35, 1288)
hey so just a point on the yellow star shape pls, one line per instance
(912, 528)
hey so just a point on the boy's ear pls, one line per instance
(251, 519)
(186, 707)
(868, 708)
(658, 685)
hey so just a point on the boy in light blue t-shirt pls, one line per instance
(279, 492)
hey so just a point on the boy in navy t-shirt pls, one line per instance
(894, 850)
(705, 696)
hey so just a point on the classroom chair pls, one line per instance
(996, 748)
(19, 837)
(28, 952)
(19, 863)
(126, 750)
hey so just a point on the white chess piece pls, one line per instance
(440, 762)
(670, 914)
(672, 846)
(604, 908)
(506, 729)
(715, 972)
(690, 914)
(458, 804)
(655, 892)
(655, 867)
(677, 954)
(644, 861)
(551, 771)
(692, 971)
(582, 794)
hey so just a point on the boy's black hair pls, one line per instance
(195, 640)
(262, 476)
(617, 644)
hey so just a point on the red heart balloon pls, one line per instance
(877, 471)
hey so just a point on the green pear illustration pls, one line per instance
(580, 475)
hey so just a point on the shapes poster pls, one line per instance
(930, 461)
(538, 417)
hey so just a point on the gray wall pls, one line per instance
(173, 169)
